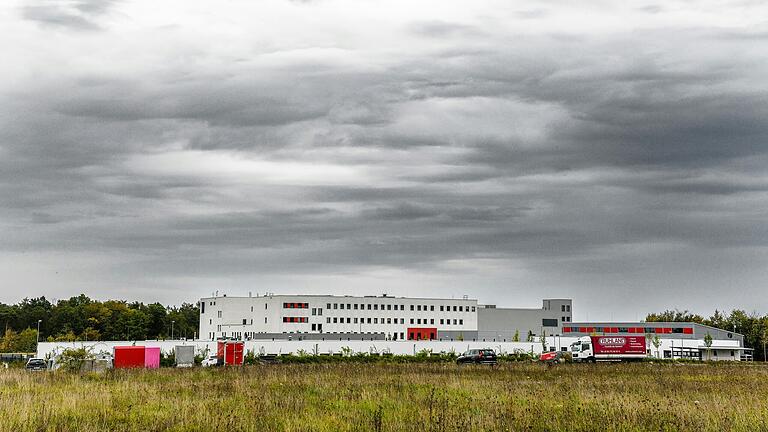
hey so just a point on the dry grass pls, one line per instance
(392, 397)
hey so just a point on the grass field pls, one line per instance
(392, 397)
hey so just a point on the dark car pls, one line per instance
(36, 364)
(478, 356)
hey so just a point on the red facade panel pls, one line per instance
(422, 333)
(687, 330)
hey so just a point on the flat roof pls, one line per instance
(337, 296)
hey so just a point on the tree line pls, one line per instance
(753, 326)
(83, 318)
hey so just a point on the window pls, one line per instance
(389, 307)
(431, 320)
(265, 320)
(411, 320)
(402, 307)
(402, 336)
(314, 311)
(454, 308)
(389, 320)
(411, 307)
(328, 320)
(473, 308)
(349, 320)
(454, 322)
(202, 307)
(335, 320)
(327, 305)
(219, 314)
(245, 321)
(335, 305)
(314, 327)
(567, 308)
(368, 320)
(549, 322)
(355, 306)
(355, 320)
(375, 320)
(320, 311)
(369, 306)
(418, 308)
(418, 321)
(461, 308)
(562, 307)
(442, 308)
(461, 322)
(441, 321)
(375, 307)
(432, 308)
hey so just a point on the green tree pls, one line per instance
(516, 337)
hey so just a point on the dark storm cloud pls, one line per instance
(552, 152)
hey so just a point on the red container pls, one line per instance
(231, 352)
(129, 357)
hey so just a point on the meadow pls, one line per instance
(392, 397)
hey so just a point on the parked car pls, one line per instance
(478, 356)
(210, 360)
(36, 364)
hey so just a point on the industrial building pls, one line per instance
(384, 319)
(308, 317)
(678, 340)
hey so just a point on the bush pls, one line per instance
(73, 359)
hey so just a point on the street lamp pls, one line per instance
(172, 323)
(38, 332)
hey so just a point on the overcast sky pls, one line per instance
(611, 152)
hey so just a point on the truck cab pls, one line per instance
(582, 351)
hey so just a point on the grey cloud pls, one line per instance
(566, 158)
(80, 15)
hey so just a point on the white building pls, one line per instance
(308, 317)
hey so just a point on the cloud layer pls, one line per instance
(615, 154)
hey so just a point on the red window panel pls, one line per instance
(658, 330)
(566, 329)
(582, 330)
(639, 330)
(687, 330)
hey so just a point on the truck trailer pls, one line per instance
(596, 348)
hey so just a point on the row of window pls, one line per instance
(295, 319)
(431, 308)
(292, 306)
(566, 319)
(565, 308)
(641, 330)
(443, 321)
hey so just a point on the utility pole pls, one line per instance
(172, 323)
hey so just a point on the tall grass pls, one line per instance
(391, 397)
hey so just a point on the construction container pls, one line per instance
(129, 357)
(185, 355)
(152, 357)
(231, 353)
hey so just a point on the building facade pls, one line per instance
(309, 317)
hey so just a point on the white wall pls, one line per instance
(394, 347)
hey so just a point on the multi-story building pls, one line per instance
(373, 317)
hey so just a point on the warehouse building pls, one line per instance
(308, 317)
(679, 340)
